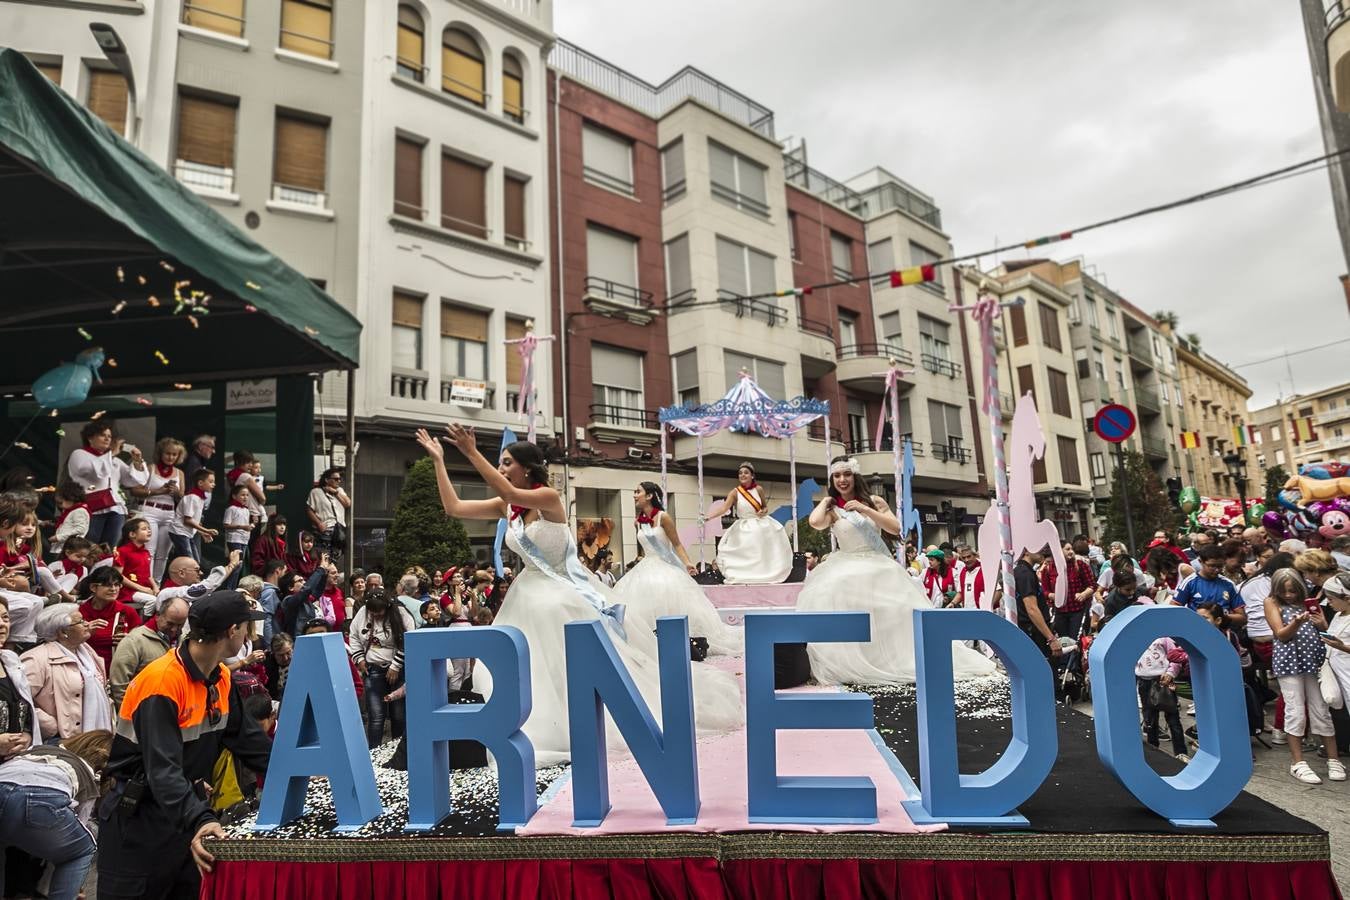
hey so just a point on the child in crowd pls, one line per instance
(1159, 667)
(238, 519)
(132, 559)
(304, 562)
(270, 545)
(73, 517)
(187, 524)
(73, 565)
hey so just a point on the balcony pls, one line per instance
(1146, 401)
(940, 365)
(1007, 405)
(1326, 417)
(863, 366)
(624, 425)
(408, 384)
(767, 311)
(1095, 389)
(657, 100)
(204, 179)
(1338, 52)
(817, 341)
(1154, 448)
(620, 301)
(448, 390)
(816, 432)
(952, 452)
(1141, 354)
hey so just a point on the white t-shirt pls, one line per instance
(327, 507)
(190, 507)
(1254, 592)
(238, 524)
(256, 507)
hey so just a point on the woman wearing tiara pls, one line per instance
(554, 588)
(862, 575)
(661, 585)
(755, 549)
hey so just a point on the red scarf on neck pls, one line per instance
(92, 452)
(198, 492)
(648, 518)
(167, 583)
(752, 485)
(164, 471)
(518, 511)
(239, 505)
(233, 475)
(66, 512)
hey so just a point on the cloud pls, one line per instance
(1024, 118)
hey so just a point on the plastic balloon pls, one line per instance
(68, 384)
(1189, 499)
(1333, 517)
(1255, 512)
(1276, 526)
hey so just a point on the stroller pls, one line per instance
(1072, 683)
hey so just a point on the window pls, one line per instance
(611, 264)
(1018, 314)
(1050, 327)
(1026, 382)
(679, 278)
(672, 171)
(406, 352)
(464, 348)
(1275, 433)
(463, 196)
(737, 180)
(1038, 475)
(222, 16)
(841, 256)
(1059, 393)
(51, 69)
(920, 255)
(1090, 304)
(944, 422)
(108, 98)
(515, 366)
(300, 165)
(617, 378)
(890, 329)
(1165, 397)
(462, 71)
(857, 426)
(1081, 361)
(743, 271)
(1112, 328)
(205, 154)
(513, 89)
(1099, 364)
(1097, 466)
(607, 159)
(513, 212)
(686, 378)
(934, 338)
(408, 179)
(881, 262)
(848, 330)
(767, 373)
(1279, 457)
(412, 41)
(307, 27)
(1157, 347)
(794, 243)
(1120, 372)
(1068, 460)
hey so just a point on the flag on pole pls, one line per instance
(1303, 430)
(1241, 435)
(1190, 440)
(915, 275)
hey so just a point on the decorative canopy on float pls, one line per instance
(747, 407)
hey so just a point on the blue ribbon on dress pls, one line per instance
(660, 545)
(576, 576)
(866, 526)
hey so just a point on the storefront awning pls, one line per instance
(91, 230)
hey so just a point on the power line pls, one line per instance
(1288, 353)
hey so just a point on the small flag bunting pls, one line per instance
(914, 275)
(1190, 440)
(1050, 239)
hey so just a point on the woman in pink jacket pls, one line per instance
(66, 676)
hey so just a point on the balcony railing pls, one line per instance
(606, 180)
(740, 201)
(1139, 348)
(410, 68)
(200, 175)
(765, 310)
(812, 326)
(940, 365)
(816, 432)
(1147, 400)
(1154, 447)
(884, 351)
(625, 416)
(950, 452)
(211, 20)
(682, 298)
(408, 384)
(284, 193)
(657, 100)
(823, 186)
(893, 196)
(619, 293)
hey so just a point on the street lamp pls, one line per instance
(110, 42)
(1237, 470)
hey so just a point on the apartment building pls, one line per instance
(1216, 399)
(1329, 413)
(1272, 439)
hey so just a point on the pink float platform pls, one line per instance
(734, 600)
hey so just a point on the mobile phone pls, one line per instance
(1326, 636)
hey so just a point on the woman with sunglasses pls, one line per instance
(67, 678)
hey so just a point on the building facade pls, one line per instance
(1272, 438)
(1216, 407)
(1327, 412)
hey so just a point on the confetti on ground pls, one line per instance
(182, 386)
(989, 697)
(145, 401)
(312, 332)
(140, 279)
(152, 300)
(84, 334)
(121, 305)
(60, 432)
(22, 446)
(112, 362)
(98, 415)
(55, 413)
(249, 307)
(178, 307)
(163, 264)
(159, 355)
(193, 320)
(256, 287)
(200, 310)
(121, 276)
(46, 489)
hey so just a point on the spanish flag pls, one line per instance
(915, 275)
(1190, 440)
(1303, 430)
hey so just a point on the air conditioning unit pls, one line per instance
(634, 453)
(579, 434)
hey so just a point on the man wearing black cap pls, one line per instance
(176, 715)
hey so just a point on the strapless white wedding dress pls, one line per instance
(547, 595)
(862, 575)
(660, 586)
(755, 549)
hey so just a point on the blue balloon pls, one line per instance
(68, 384)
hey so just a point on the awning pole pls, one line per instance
(350, 549)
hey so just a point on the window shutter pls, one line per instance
(407, 310)
(1050, 327)
(513, 88)
(733, 363)
(463, 196)
(1026, 382)
(1059, 392)
(620, 368)
(514, 214)
(108, 98)
(462, 66)
(841, 255)
(611, 257)
(206, 132)
(515, 366)
(686, 371)
(408, 178)
(672, 166)
(678, 273)
(722, 162)
(731, 267)
(301, 154)
(881, 257)
(1068, 460)
(769, 375)
(937, 422)
(307, 27)
(762, 277)
(752, 180)
(466, 324)
(609, 155)
(1019, 325)
(411, 40)
(51, 70)
(1038, 474)
(220, 16)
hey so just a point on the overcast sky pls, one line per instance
(1027, 117)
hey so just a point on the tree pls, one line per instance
(1167, 317)
(421, 533)
(1149, 506)
(1194, 340)
(1276, 476)
(811, 541)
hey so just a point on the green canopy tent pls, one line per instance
(84, 217)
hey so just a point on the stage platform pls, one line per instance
(733, 601)
(1087, 837)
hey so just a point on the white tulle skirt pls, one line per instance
(875, 584)
(540, 606)
(755, 551)
(655, 588)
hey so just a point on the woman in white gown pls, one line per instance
(755, 549)
(662, 584)
(862, 575)
(553, 588)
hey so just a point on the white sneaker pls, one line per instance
(1277, 738)
(1183, 757)
(1304, 773)
(1190, 709)
(1335, 770)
